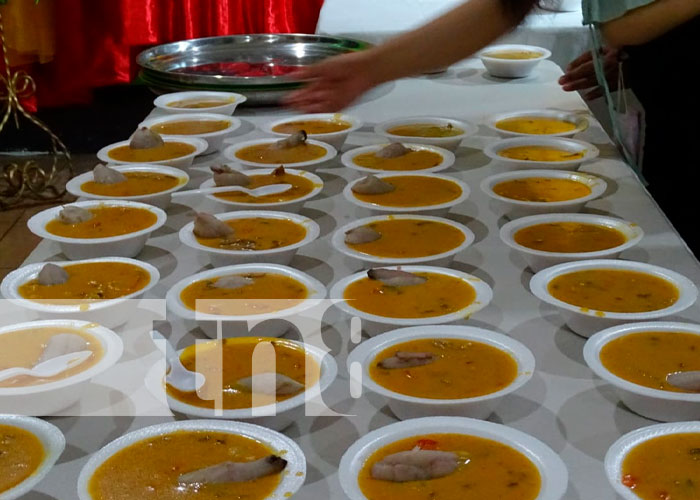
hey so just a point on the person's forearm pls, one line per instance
(646, 23)
(448, 39)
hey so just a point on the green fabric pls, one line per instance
(600, 11)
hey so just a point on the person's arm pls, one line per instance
(643, 24)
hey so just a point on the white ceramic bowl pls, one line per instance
(512, 68)
(272, 324)
(441, 259)
(282, 255)
(572, 145)
(335, 139)
(181, 162)
(110, 312)
(374, 324)
(160, 199)
(53, 397)
(585, 321)
(439, 209)
(539, 259)
(230, 154)
(215, 140)
(581, 122)
(291, 480)
(161, 102)
(404, 406)
(449, 143)
(275, 416)
(288, 206)
(52, 440)
(125, 245)
(448, 158)
(617, 453)
(655, 404)
(555, 477)
(516, 208)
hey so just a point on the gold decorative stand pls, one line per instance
(28, 178)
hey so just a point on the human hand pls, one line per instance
(580, 73)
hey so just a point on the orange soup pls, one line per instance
(541, 189)
(426, 130)
(21, 454)
(258, 233)
(414, 191)
(540, 153)
(487, 470)
(414, 160)
(312, 126)
(569, 237)
(614, 290)
(168, 151)
(268, 154)
(301, 186)
(535, 125)
(190, 127)
(136, 184)
(513, 54)
(460, 369)
(200, 103)
(105, 222)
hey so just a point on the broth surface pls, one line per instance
(312, 126)
(106, 222)
(426, 130)
(136, 184)
(542, 189)
(168, 151)
(190, 127)
(414, 191)
(414, 160)
(268, 154)
(258, 233)
(301, 186)
(540, 153)
(514, 54)
(569, 237)
(200, 103)
(21, 454)
(535, 125)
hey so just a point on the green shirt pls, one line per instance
(600, 11)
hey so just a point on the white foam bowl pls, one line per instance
(110, 312)
(230, 154)
(282, 255)
(288, 206)
(581, 122)
(266, 325)
(438, 209)
(161, 199)
(572, 145)
(517, 208)
(335, 139)
(53, 397)
(161, 102)
(512, 68)
(181, 162)
(448, 158)
(403, 406)
(291, 480)
(553, 473)
(215, 140)
(50, 437)
(586, 322)
(539, 259)
(441, 259)
(125, 245)
(374, 324)
(619, 450)
(277, 416)
(449, 143)
(655, 404)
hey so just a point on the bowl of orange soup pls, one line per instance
(541, 153)
(178, 152)
(512, 60)
(103, 290)
(305, 186)
(199, 101)
(530, 192)
(264, 153)
(446, 133)
(29, 449)
(115, 228)
(166, 456)
(307, 372)
(442, 296)
(550, 239)
(402, 239)
(23, 345)
(441, 370)
(538, 123)
(656, 462)
(331, 128)
(152, 184)
(268, 294)
(484, 455)
(421, 158)
(211, 127)
(592, 295)
(636, 360)
(258, 236)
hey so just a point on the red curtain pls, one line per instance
(97, 41)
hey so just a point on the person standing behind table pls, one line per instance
(659, 42)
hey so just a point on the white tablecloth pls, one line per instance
(564, 405)
(376, 20)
